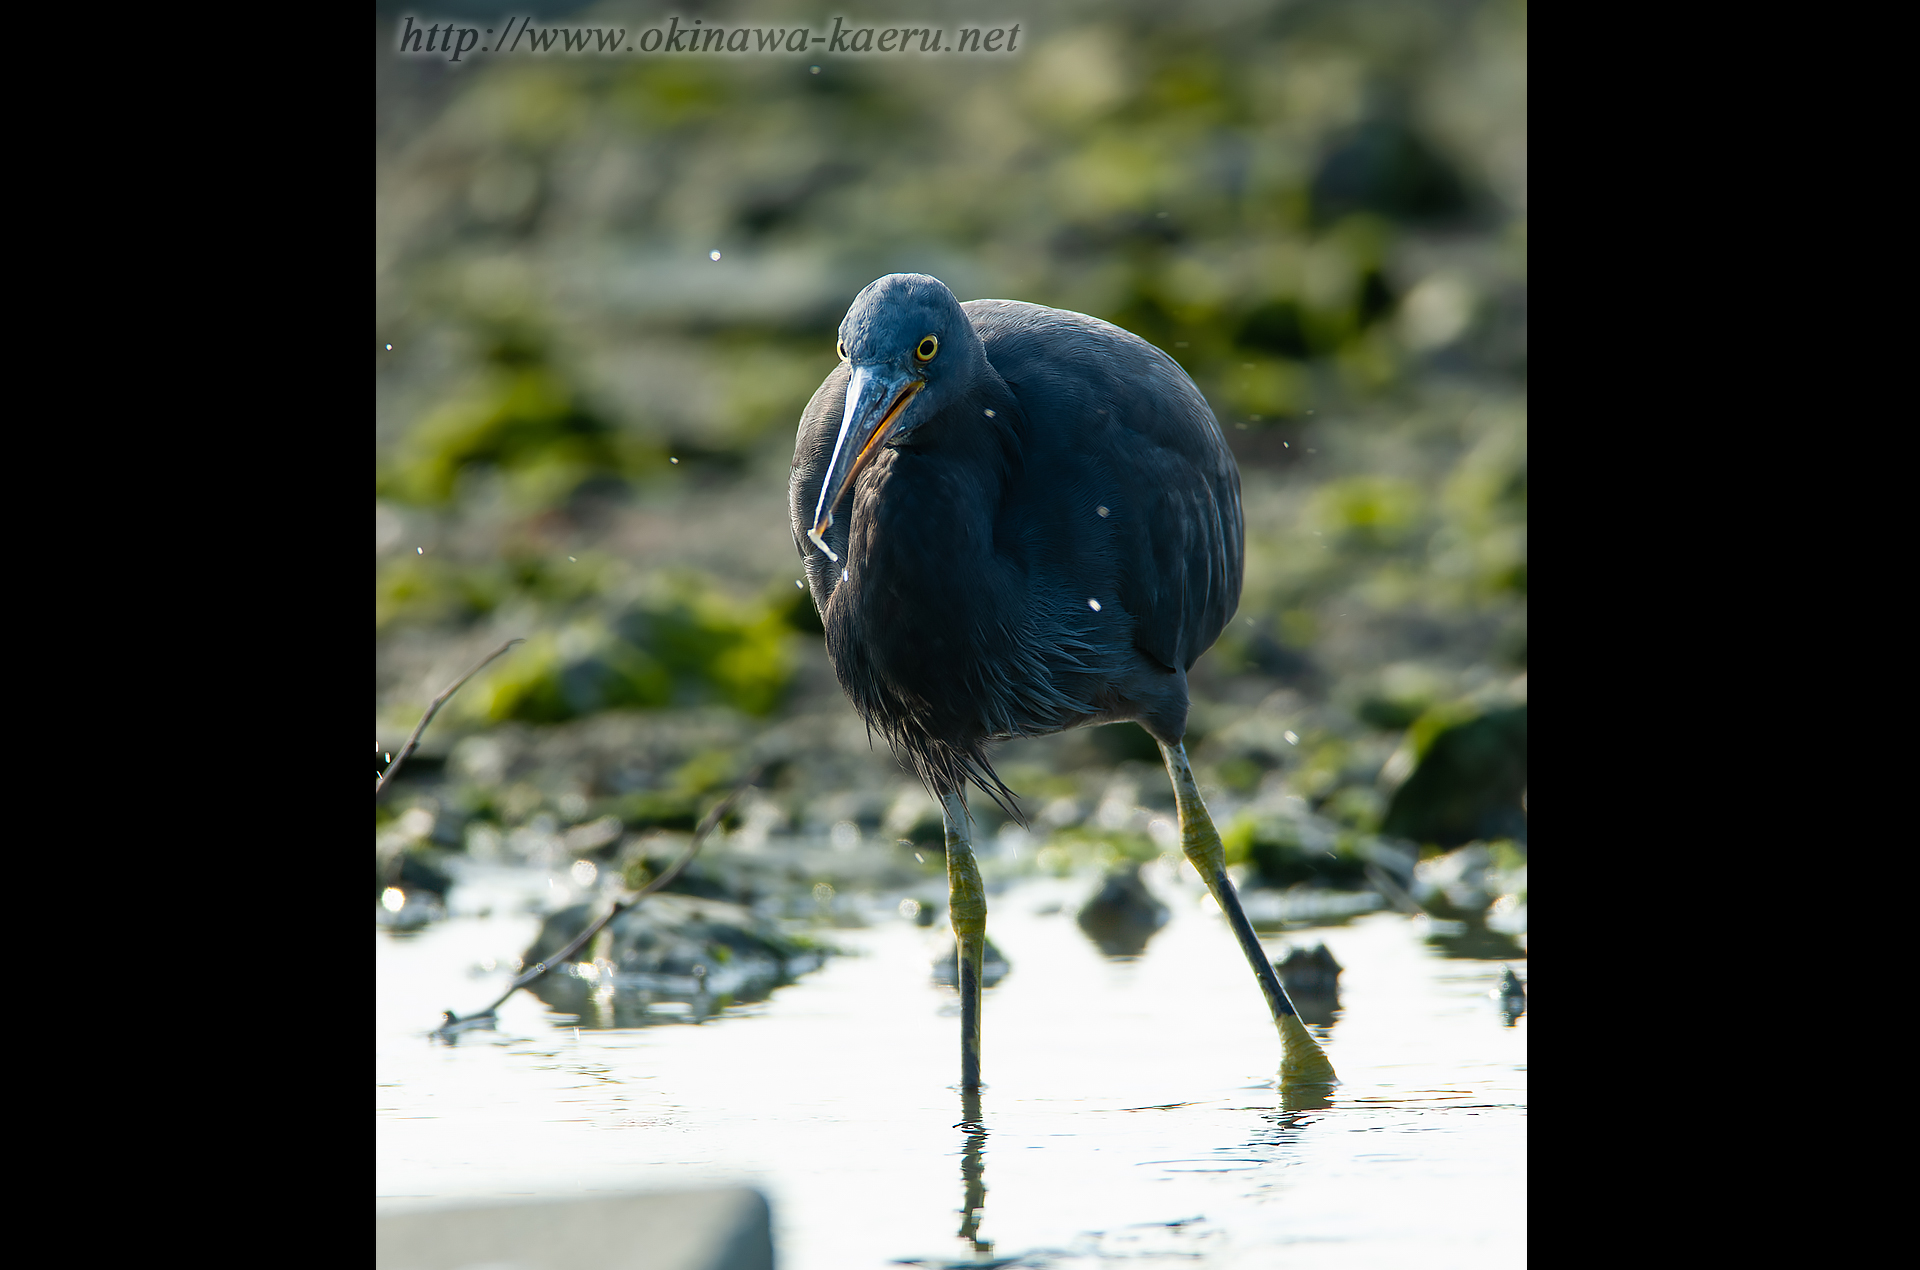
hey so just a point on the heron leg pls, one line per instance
(967, 907)
(1302, 1061)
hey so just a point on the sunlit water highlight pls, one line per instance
(1130, 1115)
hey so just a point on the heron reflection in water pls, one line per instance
(1273, 1132)
(1017, 520)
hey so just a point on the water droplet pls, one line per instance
(1101, 510)
(389, 348)
(1291, 738)
(814, 69)
(713, 255)
(671, 459)
(798, 583)
(573, 559)
(989, 414)
(843, 575)
(909, 909)
(1094, 605)
(419, 551)
(393, 899)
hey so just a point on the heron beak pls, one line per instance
(874, 403)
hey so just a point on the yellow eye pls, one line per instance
(840, 347)
(927, 348)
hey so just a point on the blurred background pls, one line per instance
(585, 418)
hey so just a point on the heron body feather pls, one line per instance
(1052, 540)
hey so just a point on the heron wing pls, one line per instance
(1119, 410)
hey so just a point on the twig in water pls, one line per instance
(434, 709)
(1392, 892)
(451, 1022)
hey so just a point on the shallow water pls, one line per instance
(1130, 1115)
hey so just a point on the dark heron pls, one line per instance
(1017, 520)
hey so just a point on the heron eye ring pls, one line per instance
(927, 348)
(840, 347)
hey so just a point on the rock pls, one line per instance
(1459, 878)
(720, 1229)
(1124, 915)
(707, 877)
(1269, 909)
(705, 954)
(1384, 165)
(1312, 981)
(1511, 995)
(1306, 973)
(417, 875)
(1468, 784)
(1289, 845)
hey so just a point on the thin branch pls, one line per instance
(434, 709)
(1391, 891)
(451, 1021)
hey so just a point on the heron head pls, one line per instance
(910, 351)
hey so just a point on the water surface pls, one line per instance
(1130, 1115)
